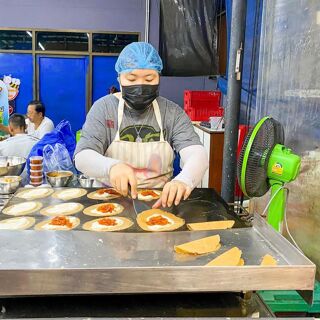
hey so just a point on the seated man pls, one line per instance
(20, 144)
(37, 123)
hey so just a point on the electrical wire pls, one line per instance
(286, 222)
(268, 204)
(285, 215)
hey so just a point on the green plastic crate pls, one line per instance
(290, 301)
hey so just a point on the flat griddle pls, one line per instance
(76, 262)
(202, 205)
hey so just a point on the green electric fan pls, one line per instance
(265, 163)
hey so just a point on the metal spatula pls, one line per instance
(138, 205)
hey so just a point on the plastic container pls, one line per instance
(216, 123)
(36, 184)
(36, 179)
(38, 173)
(201, 105)
(36, 167)
(36, 160)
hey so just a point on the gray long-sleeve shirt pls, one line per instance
(101, 125)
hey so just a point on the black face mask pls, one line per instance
(140, 96)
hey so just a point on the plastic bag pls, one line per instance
(62, 135)
(57, 158)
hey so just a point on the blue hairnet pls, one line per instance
(138, 55)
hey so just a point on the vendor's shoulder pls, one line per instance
(105, 102)
(167, 103)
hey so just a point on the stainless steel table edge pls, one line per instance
(279, 242)
(298, 274)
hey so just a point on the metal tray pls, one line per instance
(202, 205)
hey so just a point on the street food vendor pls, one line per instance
(129, 138)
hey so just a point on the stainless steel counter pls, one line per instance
(80, 262)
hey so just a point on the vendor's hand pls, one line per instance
(121, 176)
(173, 192)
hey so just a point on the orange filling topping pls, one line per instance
(105, 208)
(107, 222)
(61, 221)
(148, 193)
(157, 220)
(109, 191)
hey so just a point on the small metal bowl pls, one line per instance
(85, 182)
(9, 184)
(59, 179)
(11, 166)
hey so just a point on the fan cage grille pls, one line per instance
(256, 179)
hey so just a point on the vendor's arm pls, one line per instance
(195, 162)
(89, 154)
(93, 164)
(193, 157)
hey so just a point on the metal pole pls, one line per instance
(147, 22)
(238, 24)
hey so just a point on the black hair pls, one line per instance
(39, 106)
(113, 89)
(18, 121)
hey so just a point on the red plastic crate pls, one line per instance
(201, 105)
(242, 133)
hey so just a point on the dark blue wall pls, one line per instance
(103, 76)
(19, 65)
(62, 83)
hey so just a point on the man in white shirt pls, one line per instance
(20, 143)
(37, 123)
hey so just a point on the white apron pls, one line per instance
(151, 161)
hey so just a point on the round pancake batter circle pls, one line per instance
(174, 221)
(93, 225)
(106, 196)
(17, 223)
(62, 209)
(45, 225)
(148, 197)
(34, 193)
(93, 210)
(23, 208)
(69, 194)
